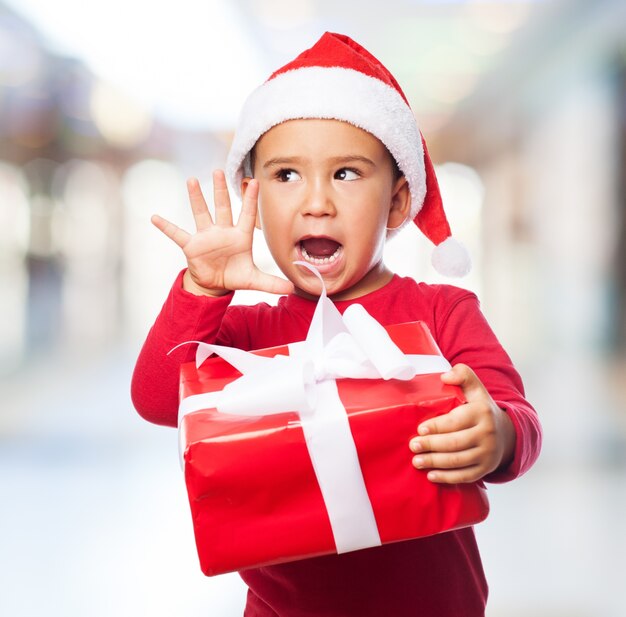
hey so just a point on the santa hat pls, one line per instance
(338, 79)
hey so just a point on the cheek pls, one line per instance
(273, 224)
(370, 214)
(273, 215)
(271, 201)
(264, 210)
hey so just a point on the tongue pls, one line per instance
(320, 247)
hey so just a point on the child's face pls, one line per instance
(327, 194)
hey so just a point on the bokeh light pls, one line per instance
(151, 260)
(498, 17)
(14, 234)
(121, 121)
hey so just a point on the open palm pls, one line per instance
(219, 253)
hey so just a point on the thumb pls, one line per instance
(271, 284)
(463, 376)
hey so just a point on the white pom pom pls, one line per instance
(451, 258)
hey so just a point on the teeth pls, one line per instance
(319, 261)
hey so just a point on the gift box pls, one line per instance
(282, 482)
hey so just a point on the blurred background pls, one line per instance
(106, 108)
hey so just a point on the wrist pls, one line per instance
(192, 287)
(509, 438)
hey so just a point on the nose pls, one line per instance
(318, 200)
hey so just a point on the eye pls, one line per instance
(287, 175)
(347, 174)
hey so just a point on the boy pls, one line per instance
(330, 162)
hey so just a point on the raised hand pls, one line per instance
(219, 254)
(468, 442)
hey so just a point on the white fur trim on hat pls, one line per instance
(333, 93)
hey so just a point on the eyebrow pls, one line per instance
(287, 160)
(346, 158)
(353, 158)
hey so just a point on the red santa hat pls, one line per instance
(338, 79)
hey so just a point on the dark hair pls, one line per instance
(397, 173)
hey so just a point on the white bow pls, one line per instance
(352, 346)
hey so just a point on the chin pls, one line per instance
(311, 287)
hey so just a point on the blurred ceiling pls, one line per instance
(192, 62)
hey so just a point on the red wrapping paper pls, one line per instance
(253, 493)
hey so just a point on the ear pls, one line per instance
(244, 186)
(400, 203)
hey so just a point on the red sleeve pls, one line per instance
(464, 336)
(184, 317)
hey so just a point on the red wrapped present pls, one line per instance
(321, 464)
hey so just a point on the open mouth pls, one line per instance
(320, 251)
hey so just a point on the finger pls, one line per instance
(449, 442)
(447, 460)
(200, 210)
(271, 284)
(221, 198)
(178, 235)
(247, 218)
(456, 476)
(463, 376)
(455, 420)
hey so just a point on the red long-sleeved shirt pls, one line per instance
(439, 576)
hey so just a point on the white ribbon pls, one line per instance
(353, 346)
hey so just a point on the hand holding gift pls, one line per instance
(468, 442)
